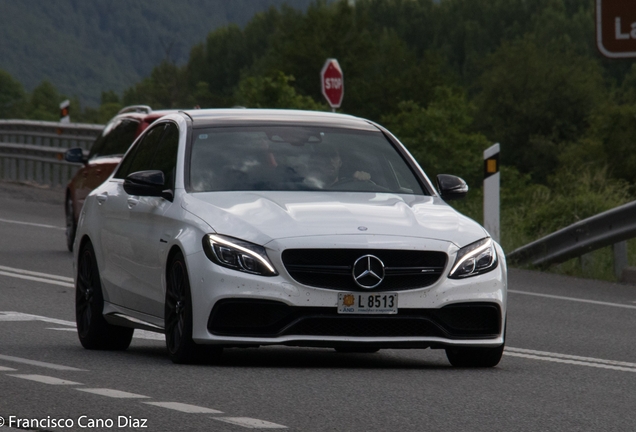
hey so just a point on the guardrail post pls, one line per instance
(620, 258)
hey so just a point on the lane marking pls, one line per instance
(574, 299)
(39, 363)
(573, 362)
(19, 316)
(33, 273)
(32, 224)
(570, 357)
(185, 407)
(113, 393)
(250, 423)
(7, 369)
(139, 334)
(46, 379)
(37, 279)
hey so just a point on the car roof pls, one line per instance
(142, 116)
(242, 116)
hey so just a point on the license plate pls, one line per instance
(363, 303)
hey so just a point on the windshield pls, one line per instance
(284, 158)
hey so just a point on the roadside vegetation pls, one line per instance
(449, 78)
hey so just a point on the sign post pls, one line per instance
(491, 191)
(616, 28)
(332, 82)
(65, 116)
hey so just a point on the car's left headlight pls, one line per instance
(238, 255)
(475, 259)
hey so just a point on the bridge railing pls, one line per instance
(33, 151)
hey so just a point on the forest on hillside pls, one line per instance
(449, 78)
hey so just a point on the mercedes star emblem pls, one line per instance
(368, 271)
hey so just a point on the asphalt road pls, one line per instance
(570, 363)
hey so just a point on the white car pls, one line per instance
(231, 228)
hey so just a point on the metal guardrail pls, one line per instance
(33, 151)
(612, 227)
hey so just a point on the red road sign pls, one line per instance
(332, 81)
(616, 28)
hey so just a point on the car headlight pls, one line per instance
(238, 255)
(475, 259)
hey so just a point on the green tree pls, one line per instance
(439, 135)
(44, 103)
(274, 91)
(164, 88)
(12, 97)
(535, 99)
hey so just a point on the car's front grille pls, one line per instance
(333, 268)
(264, 318)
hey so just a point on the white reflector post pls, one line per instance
(491, 191)
(65, 116)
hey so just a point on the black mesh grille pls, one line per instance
(246, 317)
(332, 268)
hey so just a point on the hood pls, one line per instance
(261, 217)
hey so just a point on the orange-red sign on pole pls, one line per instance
(616, 28)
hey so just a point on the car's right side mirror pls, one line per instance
(451, 187)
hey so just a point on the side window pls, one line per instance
(115, 139)
(166, 155)
(140, 158)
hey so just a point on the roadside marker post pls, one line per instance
(491, 191)
(65, 116)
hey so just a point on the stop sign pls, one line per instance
(332, 81)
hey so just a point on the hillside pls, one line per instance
(86, 47)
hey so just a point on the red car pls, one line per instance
(105, 154)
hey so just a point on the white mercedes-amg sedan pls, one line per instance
(239, 228)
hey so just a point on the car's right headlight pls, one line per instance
(475, 259)
(238, 255)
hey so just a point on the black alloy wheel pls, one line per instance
(71, 225)
(93, 330)
(178, 318)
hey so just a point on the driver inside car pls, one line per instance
(325, 169)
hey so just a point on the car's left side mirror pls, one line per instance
(75, 155)
(147, 183)
(451, 187)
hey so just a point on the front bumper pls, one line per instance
(234, 309)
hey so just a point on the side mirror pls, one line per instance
(451, 187)
(147, 183)
(75, 155)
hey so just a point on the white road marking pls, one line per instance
(19, 316)
(46, 379)
(185, 407)
(113, 393)
(39, 363)
(250, 423)
(62, 329)
(32, 224)
(37, 279)
(32, 273)
(573, 362)
(574, 299)
(6, 369)
(570, 357)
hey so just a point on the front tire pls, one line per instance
(474, 357)
(93, 330)
(178, 318)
